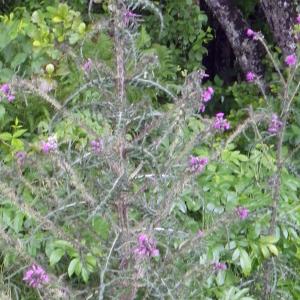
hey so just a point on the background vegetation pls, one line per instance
(119, 177)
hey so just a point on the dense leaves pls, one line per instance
(122, 178)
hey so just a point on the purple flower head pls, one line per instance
(250, 33)
(298, 19)
(218, 266)
(291, 60)
(5, 89)
(250, 76)
(207, 94)
(20, 157)
(35, 276)
(220, 123)
(129, 17)
(201, 75)
(197, 164)
(202, 107)
(97, 146)
(6, 92)
(275, 124)
(146, 247)
(50, 145)
(242, 212)
(87, 66)
(11, 98)
(200, 233)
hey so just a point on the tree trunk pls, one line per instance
(247, 52)
(281, 15)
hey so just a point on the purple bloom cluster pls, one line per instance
(197, 164)
(298, 19)
(275, 124)
(201, 75)
(291, 60)
(146, 247)
(97, 146)
(207, 94)
(202, 107)
(87, 66)
(6, 92)
(250, 76)
(200, 233)
(220, 123)
(219, 266)
(129, 17)
(242, 212)
(35, 276)
(20, 157)
(250, 33)
(50, 145)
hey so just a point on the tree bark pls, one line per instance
(281, 15)
(247, 52)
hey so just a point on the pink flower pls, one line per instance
(298, 19)
(291, 60)
(242, 212)
(50, 145)
(6, 92)
(218, 266)
(197, 164)
(35, 276)
(97, 146)
(201, 75)
(129, 17)
(220, 123)
(20, 157)
(250, 33)
(5, 89)
(275, 124)
(250, 76)
(202, 107)
(207, 94)
(200, 233)
(146, 247)
(87, 66)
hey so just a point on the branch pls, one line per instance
(281, 16)
(247, 53)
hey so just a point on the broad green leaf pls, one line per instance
(18, 60)
(19, 132)
(236, 254)
(56, 255)
(265, 251)
(17, 144)
(91, 260)
(270, 239)
(84, 275)
(273, 249)
(245, 262)
(5, 136)
(62, 244)
(72, 266)
(240, 294)
(6, 74)
(78, 269)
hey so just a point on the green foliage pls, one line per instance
(78, 213)
(184, 32)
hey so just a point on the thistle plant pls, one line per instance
(121, 200)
